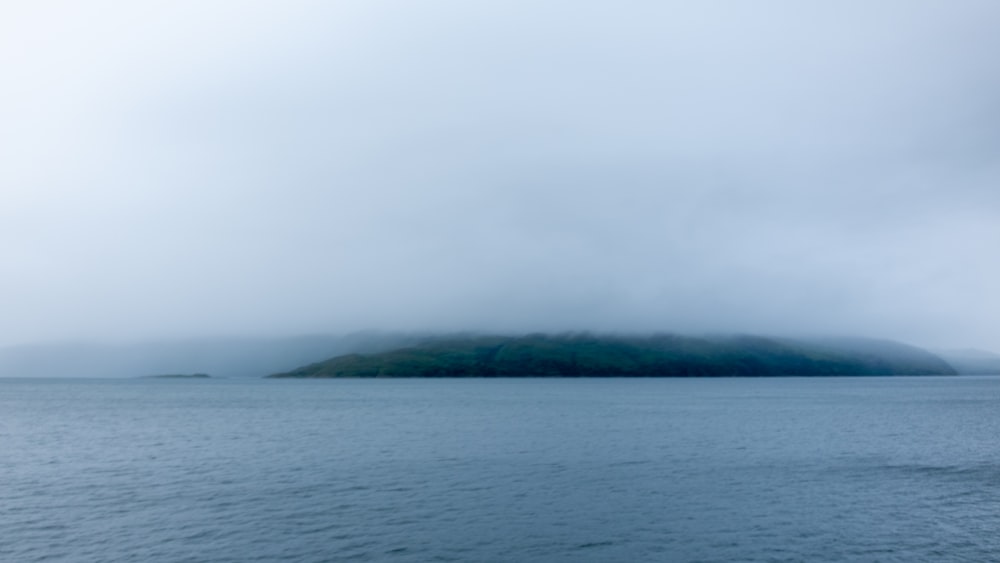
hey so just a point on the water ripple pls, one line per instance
(542, 470)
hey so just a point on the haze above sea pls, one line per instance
(729, 469)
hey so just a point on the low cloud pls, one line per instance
(243, 168)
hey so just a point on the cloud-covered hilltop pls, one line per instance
(664, 355)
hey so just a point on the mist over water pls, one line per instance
(257, 169)
(186, 186)
(828, 469)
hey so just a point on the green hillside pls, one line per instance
(663, 355)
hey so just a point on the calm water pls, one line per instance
(861, 469)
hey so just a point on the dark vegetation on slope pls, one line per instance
(663, 355)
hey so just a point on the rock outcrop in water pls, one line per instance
(663, 355)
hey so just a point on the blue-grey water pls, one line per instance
(790, 469)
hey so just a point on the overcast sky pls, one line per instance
(194, 167)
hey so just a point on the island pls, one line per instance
(657, 355)
(179, 376)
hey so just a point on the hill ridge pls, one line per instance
(654, 355)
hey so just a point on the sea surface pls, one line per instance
(784, 469)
